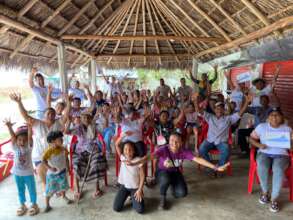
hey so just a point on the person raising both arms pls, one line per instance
(205, 84)
(40, 92)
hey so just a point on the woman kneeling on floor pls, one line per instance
(271, 157)
(170, 159)
(131, 177)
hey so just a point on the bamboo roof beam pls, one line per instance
(134, 30)
(142, 37)
(22, 45)
(257, 13)
(140, 55)
(163, 31)
(95, 18)
(144, 30)
(112, 29)
(55, 13)
(133, 7)
(29, 30)
(223, 11)
(105, 24)
(25, 9)
(153, 29)
(77, 16)
(177, 23)
(173, 29)
(209, 19)
(282, 23)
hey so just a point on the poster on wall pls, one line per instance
(243, 77)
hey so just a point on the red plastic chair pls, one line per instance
(117, 159)
(253, 173)
(74, 141)
(7, 160)
(203, 135)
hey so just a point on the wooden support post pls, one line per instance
(62, 68)
(194, 70)
(92, 74)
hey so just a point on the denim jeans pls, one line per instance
(26, 181)
(278, 165)
(205, 147)
(121, 197)
(175, 179)
(108, 133)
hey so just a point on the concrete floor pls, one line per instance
(224, 198)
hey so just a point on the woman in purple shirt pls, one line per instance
(169, 159)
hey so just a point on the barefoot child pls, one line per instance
(56, 161)
(23, 168)
(131, 178)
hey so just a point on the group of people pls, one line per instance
(174, 120)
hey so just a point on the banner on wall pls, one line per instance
(243, 77)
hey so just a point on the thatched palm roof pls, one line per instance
(211, 28)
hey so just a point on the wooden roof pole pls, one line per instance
(153, 29)
(112, 27)
(116, 26)
(223, 11)
(192, 21)
(142, 37)
(144, 30)
(178, 24)
(94, 19)
(77, 16)
(30, 37)
(106, 23)
(124, 28)
(212, 22)
(55, 13)
(258, 13)
(163, 31)
(141, 55)
(174, 30)
(134, 30)
(27, 7)
(282, 23)
(23, 27)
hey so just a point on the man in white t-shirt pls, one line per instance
(163, 90)
(77, 92)
(40, 92)
(184, 90)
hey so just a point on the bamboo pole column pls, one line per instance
(92, 74)
(62, 67)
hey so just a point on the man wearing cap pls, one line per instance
(40, 92)
(238, 92)
(218, 132)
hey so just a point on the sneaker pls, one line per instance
(163, 202)
(274, 207)
(264, 199)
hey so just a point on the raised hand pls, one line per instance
(34, 71)
(16, 97)
(216, 66)
(8, 122)
(50, 88)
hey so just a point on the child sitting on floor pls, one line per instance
(22, 167)
(131, 177)
(56, 161)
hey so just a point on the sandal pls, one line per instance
(98, 194)
(21, 210)
(68, 201)
(48, 209)
(34, 210)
